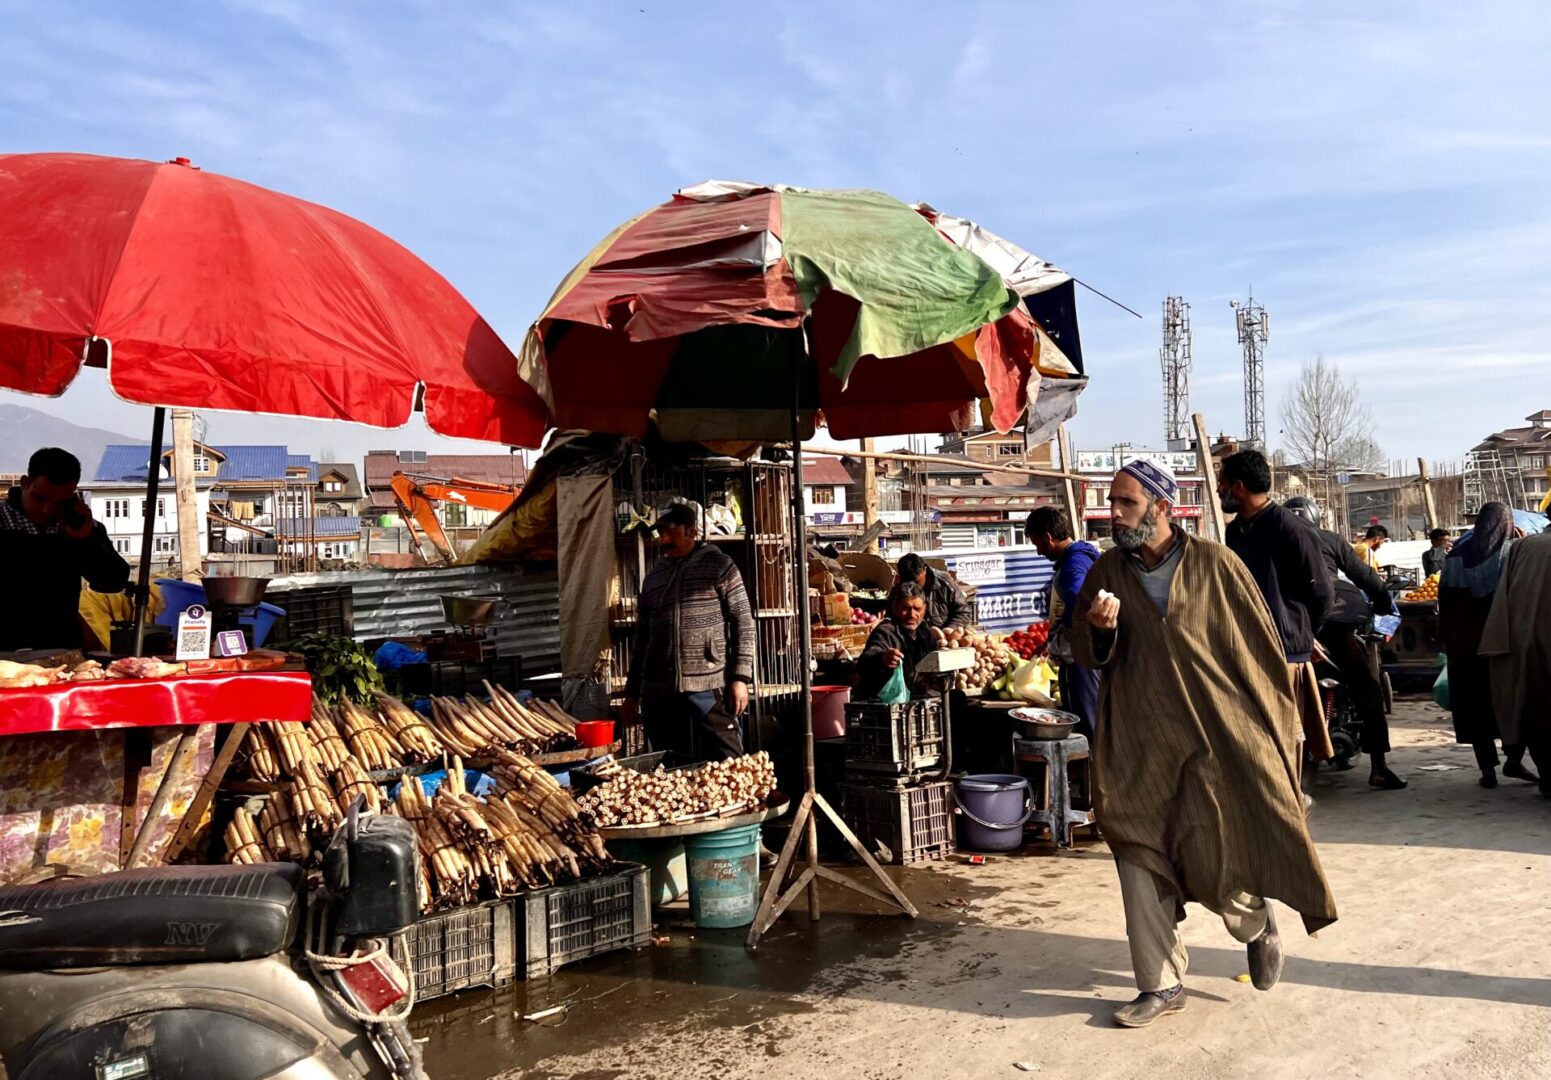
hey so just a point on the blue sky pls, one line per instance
(1380, 173)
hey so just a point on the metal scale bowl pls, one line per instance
(472, 637)
(228, 597)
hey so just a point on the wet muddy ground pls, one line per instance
(1440, 966)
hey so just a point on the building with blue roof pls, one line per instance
(253, 501)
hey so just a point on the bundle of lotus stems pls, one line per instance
(370, 742)
(718, 787)
(419, 742)
(476, 728)
(242, 839)
(527, 832)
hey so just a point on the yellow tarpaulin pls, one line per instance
(101, 610)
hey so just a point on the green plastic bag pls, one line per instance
(1441, 687)
(894, 691)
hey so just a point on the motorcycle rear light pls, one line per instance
(374, 985)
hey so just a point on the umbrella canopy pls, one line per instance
(202, 291)
(696, 313)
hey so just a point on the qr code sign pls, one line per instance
(194, 641)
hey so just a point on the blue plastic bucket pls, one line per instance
(723, 876)
(992, 808)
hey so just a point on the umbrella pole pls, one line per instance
(805, 823)
(153, 480)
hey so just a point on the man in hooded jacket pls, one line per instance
(1049, 529)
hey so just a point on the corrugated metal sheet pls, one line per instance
(390, 602)
(1010, 584)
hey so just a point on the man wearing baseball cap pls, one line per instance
(692, 655)
(1195, 751)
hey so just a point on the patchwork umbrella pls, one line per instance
(736, 312)
(699, 314)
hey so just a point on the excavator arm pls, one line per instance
(417, 495)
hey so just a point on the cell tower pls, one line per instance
(1254, 331)
(1175, 360)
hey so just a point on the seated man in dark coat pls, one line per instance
(901, 638)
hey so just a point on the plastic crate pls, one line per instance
(464, 947)
(915, 823)
(903, 738)
(325, 609)
(568, 923)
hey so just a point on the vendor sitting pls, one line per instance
(902, 637)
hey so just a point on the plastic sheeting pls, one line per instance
(586, 564)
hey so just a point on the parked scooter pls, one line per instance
(1342, 716)
(215, 972)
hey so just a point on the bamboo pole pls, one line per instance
(1209, 505)
(1428, 508)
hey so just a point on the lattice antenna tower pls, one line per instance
(1254, 327)
(1174, 357)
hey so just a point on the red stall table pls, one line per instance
(34, 717)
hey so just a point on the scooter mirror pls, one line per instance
(371, 874)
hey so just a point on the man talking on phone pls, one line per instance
(48, 543)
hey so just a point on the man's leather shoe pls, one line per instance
(1265, 954)
(1149, 1007)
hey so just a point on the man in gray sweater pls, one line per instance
(692, 657)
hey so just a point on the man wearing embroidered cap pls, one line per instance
(1195, 752)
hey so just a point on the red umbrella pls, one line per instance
(208, 292)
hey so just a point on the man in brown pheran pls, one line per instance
(1196, 753)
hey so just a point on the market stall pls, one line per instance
(847, 304)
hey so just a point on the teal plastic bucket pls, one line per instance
(723, 876)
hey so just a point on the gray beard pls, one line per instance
(1137, 538)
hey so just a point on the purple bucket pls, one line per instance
(992, 809)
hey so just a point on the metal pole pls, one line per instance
(804, 652)
(153, 480)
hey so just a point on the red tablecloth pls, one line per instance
(185, 699)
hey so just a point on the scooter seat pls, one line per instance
(159, 915)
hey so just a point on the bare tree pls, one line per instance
(1324, 425)
(1361, 453)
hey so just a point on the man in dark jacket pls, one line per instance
(945, 604)
(48, 543)
(1049, 529)
(1281, 554)
(1359, 594)
(1433, 557)
(692, 656)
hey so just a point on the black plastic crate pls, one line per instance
(314, 609)
(464, 947)
(454, 678)
(902, 738)
(588, 918)
(914, 823)
(585, 777)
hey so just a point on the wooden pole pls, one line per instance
(869, 496)
(190, 565)
(1429, 509)
(942, 459)
(1211, 510)
(1069, 487)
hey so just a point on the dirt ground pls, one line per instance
(1440, 966)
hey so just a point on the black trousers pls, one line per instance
(692, 727)
(1350, 656)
